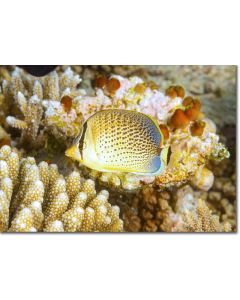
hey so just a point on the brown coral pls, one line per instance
(203, 220)
(151, 210)
(179, 119)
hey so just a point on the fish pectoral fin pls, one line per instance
(73, 152)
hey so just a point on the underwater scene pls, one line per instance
(118, 148)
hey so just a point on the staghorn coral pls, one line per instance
(35, 197)
(32, 112)
(151, 210)
(43, 105)
(202, 220)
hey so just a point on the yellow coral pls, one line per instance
(55, 226)
(32, 112)
(203, 220)
(39, 101)
(4, 211)
(37, 198)
(23, 221)
(91, 212)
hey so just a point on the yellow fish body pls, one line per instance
(120, 141)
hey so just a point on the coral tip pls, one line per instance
(165, 131)
(197, 128)
(175, 91)
(179, 119)
(190, 102)
(171, 92)
(4, 142)
(192, 113)
(180, 91)
(67, 103)
(140, 88)
(113, 85)
(101, 81)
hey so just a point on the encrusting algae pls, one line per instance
(42, 117)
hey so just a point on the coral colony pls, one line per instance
(43, 190)
(37, 198)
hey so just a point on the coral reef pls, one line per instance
(35, 197)
(55, 105)
(40, 118)
(191, 136)
(180, 210)
(43, 105)
(216, 85)
(202, 221)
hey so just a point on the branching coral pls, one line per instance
(4, 75)
(191, 137)
(202, 221)
(151, 210)
(49, 112)
(45, 104)
(56, 105)
(32, 112)
(35, 197)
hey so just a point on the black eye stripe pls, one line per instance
(81, 142)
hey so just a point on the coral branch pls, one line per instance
(35, 197)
